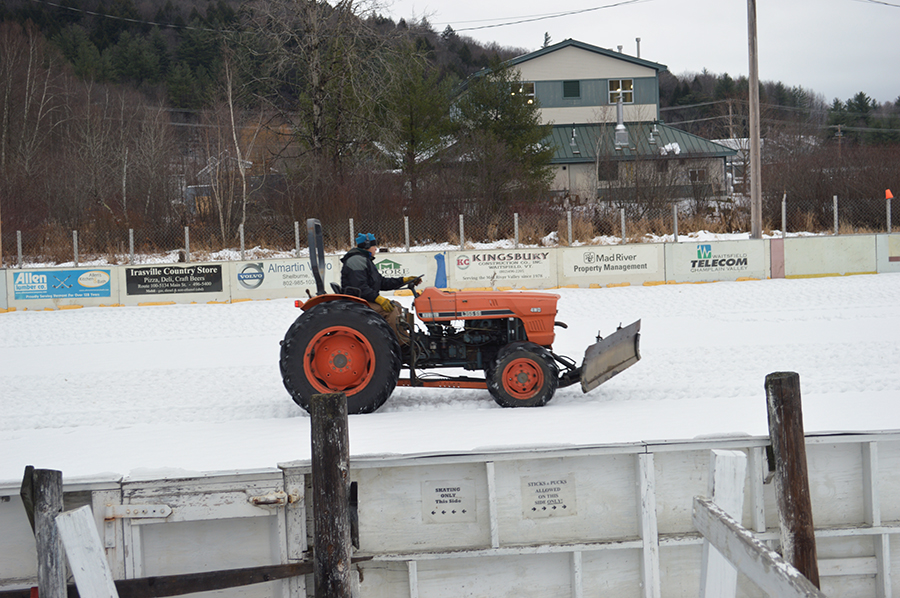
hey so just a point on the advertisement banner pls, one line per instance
(276, 275)
(410, 264)
(717, 260)
(61, 284)
(292, 277)
(160, 280)
(606, 264)
(514, 267)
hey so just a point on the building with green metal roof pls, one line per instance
(586, 93)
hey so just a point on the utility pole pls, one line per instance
(755, 183)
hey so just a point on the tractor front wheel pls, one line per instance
(341, 346)
(524, 375)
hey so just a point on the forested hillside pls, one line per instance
(160, 114)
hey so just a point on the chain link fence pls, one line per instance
(444, 229)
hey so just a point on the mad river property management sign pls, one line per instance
(604, 265)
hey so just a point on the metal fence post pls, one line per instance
(75, 246)
(835, 210)
(622, 212)
(675, 221)
(296, 238)
(187, 244)
(784, 215)
(888, 201)
(19, 246)
(516, 228)
(462, 234)
(131, 246)
(569, 225)
(241, 231)
(406, 231)
(352, 236)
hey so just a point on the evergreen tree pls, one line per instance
(417, 114)
(503, 136)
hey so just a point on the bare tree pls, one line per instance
(322, 67)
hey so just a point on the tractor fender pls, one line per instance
(318, 299)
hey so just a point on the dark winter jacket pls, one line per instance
(359, 271)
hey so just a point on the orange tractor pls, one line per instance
(339, 344)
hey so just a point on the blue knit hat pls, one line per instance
(365, 240)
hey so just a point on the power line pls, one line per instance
(880, 2)
(532, 19)
(126, 19)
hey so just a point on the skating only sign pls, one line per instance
(61, 284)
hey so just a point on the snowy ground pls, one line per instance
(156, 391)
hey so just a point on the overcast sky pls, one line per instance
(835, 48)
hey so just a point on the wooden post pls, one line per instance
(331, 486)
(798, 539)
(42, 495)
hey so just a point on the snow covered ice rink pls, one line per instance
(160, 391)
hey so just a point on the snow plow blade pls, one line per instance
(611, 355)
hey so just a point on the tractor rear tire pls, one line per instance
(524, 375)
(341, 346)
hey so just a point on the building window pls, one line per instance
(697, 175)
(608, 170)
(525, 90)
(571, 89)
(623, 86)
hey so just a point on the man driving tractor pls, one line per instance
(359, 272)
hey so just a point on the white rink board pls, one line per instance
(829, 256)
(499, 546)
(887, 249)
(603, 265)
(702, 261)
(4, 302)
(524, 268)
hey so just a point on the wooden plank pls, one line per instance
(756, 463)
(865, 565)
(872, 514)
(577, 575)
(87, 558)
(763, 566)
(412, 569)
(727, 472)
(190, 583)
(492, 504)
(798, 538)
(650, 587)
(883, 578)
